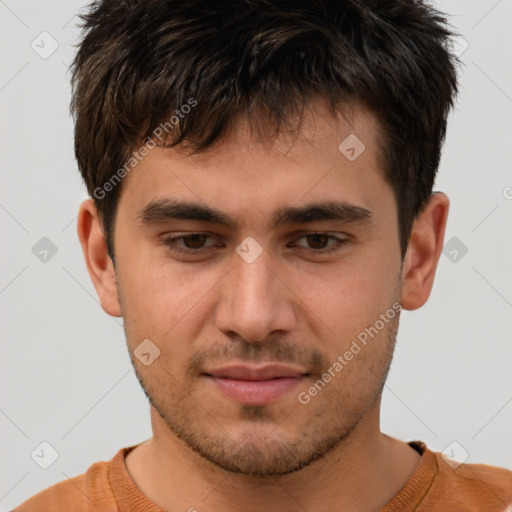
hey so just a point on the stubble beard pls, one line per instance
(253, 453)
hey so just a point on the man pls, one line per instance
(261, 210)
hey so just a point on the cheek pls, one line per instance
(155, 285)
(353, 380)
(165, 302)
(345, 299)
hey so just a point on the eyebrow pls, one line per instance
(162, 210)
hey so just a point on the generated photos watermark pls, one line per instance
(304, 397)
(137, 156)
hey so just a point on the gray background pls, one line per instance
(66, 377)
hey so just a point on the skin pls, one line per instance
(290, 305)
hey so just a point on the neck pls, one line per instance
(364, 472)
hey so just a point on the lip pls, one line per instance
(255, 385)
(245, 372)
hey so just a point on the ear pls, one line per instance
(98, 262)
(422, 256)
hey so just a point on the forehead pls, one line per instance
(314, 132)
(329, 159)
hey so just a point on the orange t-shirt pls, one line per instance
(435, 486)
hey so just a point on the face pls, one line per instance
(275, 332)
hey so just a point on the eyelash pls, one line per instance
(169, 242)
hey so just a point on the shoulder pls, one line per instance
(87, 492)
(472, 487)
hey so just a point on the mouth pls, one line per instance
(251, 385)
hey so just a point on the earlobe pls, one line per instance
(425, 247)
(99, 264)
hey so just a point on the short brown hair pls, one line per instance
(141, 60)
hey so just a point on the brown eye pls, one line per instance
(317, 243)
(194, 241)
(318, 239)
(188, 244)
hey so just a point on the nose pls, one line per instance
(256, 300)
